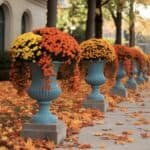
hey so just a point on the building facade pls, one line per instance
(19, 16)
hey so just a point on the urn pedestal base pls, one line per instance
(131, 83)
(101, 105)
(53, 131)
(146, 78)
(140, 80)
(119, 91)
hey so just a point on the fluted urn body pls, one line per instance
(145, 74)
(95, 78)
(44, 95)
(140, 75)
(131, 82)
(119, 88)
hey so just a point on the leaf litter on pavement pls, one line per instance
(15, 110)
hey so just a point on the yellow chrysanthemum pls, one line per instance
(99, 49)
(26, 47)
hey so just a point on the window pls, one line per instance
(2, 30)
(23, 29)
(26, 22)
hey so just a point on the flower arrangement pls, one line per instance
(59, 44)
(42, 46)
(127, 55)
(94, 49)
(139, 56)
(97, 49)
(124, 52)
(26, 47)
(148, 66)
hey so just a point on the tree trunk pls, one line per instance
(51, 13)
(131, 25)
(90, 25)
(118, 23)
(99, 20)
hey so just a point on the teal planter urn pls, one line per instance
(131, 82)
(145, 74)
(146, 78)
(42, 95)
(44, 125)
(95, 78)
(119, 89)
(140, 78)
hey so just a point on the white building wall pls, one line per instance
(36, 9)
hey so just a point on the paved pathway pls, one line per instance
(117, 122)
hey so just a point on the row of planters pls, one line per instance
(38, 56)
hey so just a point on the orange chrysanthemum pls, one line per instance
(54, 45)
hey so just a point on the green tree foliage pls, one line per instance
(145, 2)
(72, 19)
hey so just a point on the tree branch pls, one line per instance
(105, 2)
(112, 14)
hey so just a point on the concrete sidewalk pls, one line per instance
(125, 118)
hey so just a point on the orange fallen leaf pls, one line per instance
(84, 146)
(120, 142)
(102, 146)
(137, 123)
(99, 122)
(123, 109)
(124, 139)
(98, 134)
(29, 144)
(128, 132)
(3, 148)
(145, 135)
(130, 140)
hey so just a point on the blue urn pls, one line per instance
(119, 89)
(42, 95)
(139, 77)
(131, 82)
(95, 78)
(146, 78)
(145, 74)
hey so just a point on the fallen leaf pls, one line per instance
(137, 123)
(98, 134)
(123, 109)
(99, 122)
(4, 138)
(145, 135)
(107, 129)
(130, 140)
(120, 142)
(3, 148)
(102, 146)
(128, 132)
(119, 123)
(84, 146)
(29, 144)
